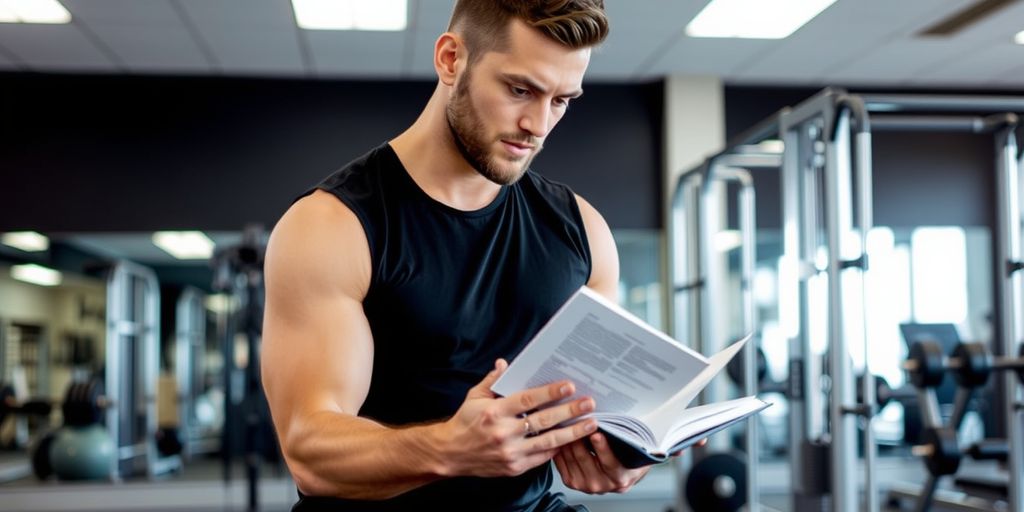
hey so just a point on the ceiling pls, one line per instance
(854, 42)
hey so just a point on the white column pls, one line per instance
(694, 128)
(694, 124)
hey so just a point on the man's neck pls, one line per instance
(428, 152)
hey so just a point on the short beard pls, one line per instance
(466, 129)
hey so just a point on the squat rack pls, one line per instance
(825, 138)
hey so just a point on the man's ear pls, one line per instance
(448, 50)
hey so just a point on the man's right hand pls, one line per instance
(494, 436)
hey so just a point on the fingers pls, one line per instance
(609, 462)
(596, 470)
(530, 399)
(589, 476)
(483, 388)
(552, 416)
(558, 437)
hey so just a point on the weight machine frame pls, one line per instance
(828, 143)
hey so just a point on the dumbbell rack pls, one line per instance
(971, 365)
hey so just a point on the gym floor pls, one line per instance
(200, 488)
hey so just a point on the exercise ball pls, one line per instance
(82, 453)
(39, 452)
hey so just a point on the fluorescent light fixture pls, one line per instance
(754, 19)
(7, 15)
(351, 14)
(28, 241)
(220, 303)
(33, 11)
(36, 274)
(1019, 38)
(184, 245)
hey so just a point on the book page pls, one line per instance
(662, 418)
(700, 421)
(610, 355)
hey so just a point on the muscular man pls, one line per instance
(398, 288)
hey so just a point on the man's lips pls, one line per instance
(518, 148)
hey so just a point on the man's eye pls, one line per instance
(519, 91)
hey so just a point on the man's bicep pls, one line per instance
(317, 345)
(319, 358)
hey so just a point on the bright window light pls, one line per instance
(351, 14)
(28, 241)
(754, 19)
(33, 11)
(939, 260)
(185, 245)
(728, 240)
(36, 274)
(1019, 38)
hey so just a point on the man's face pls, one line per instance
(504, 106)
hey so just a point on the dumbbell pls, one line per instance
(9, 404)
(971, 364)
(942, 453)
(884, 393)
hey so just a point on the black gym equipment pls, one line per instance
(39, 453)
(84, 403)
(10, 406)
(84, 406)
(238, 270)
(971, 365)
(718, 482)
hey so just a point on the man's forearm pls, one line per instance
(340, 455)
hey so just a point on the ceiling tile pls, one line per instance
(119, 12)
(252, 14)
(710, 56)
(844, 32)
(356, 53)
(430, 19)
(54, 48)
(7, 62)
(143, 48)
(982, 63)
(275, 52)
(896, 62)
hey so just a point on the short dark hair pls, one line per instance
(484, 24)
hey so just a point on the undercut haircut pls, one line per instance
(484, 24)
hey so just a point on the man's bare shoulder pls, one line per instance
(320, 240)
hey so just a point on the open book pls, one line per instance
(640, 379)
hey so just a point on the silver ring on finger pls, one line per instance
(528, 430)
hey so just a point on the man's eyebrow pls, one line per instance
(525, 80)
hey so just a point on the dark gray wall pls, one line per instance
(128, 153)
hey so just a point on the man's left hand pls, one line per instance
(595, 472)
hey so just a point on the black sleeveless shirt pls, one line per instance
(450, 292)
